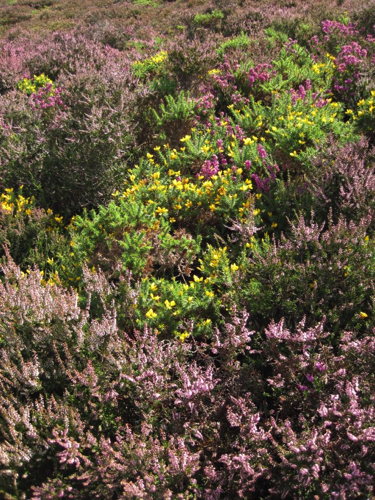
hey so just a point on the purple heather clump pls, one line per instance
(289, 46)
(261, 184)
(223, 160)
(239, 133)
(349, 64)
(210, 167)
(314, 42)
(261, 151)
(264, 184)
(259, 74)
(47, 97)
(273, 170)
(207, 102)
(345, 177)
(225, 78)
(301, 92)
(329, 27)
(238, 98)
(350, 58)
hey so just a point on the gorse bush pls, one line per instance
(34, 236)
(187, 252)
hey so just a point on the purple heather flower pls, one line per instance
(320, 366)
(261, 151)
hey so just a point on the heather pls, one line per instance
(187, 250)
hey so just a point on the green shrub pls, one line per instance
(242, 41)
(32, 236)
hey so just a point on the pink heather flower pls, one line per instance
(320, 366)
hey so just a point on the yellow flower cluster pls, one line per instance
(213, 72)
(365, 108)
(15, 204)
(157, 59)
(187, 192)
(30, 86)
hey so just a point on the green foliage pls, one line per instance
(242, 41)
(296, 29)
(174, 119)
(150, 67)
(152, 3)
(363, 117)
(169, 306)
(32, 236)
(207, 19)
(133, 236)
(181, 107)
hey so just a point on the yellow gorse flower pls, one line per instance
(169, 304)
(150, 314)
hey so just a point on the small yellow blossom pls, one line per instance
(183, 336)
(150, 314)
(161, 210)
(186, 138)
(169, 304)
